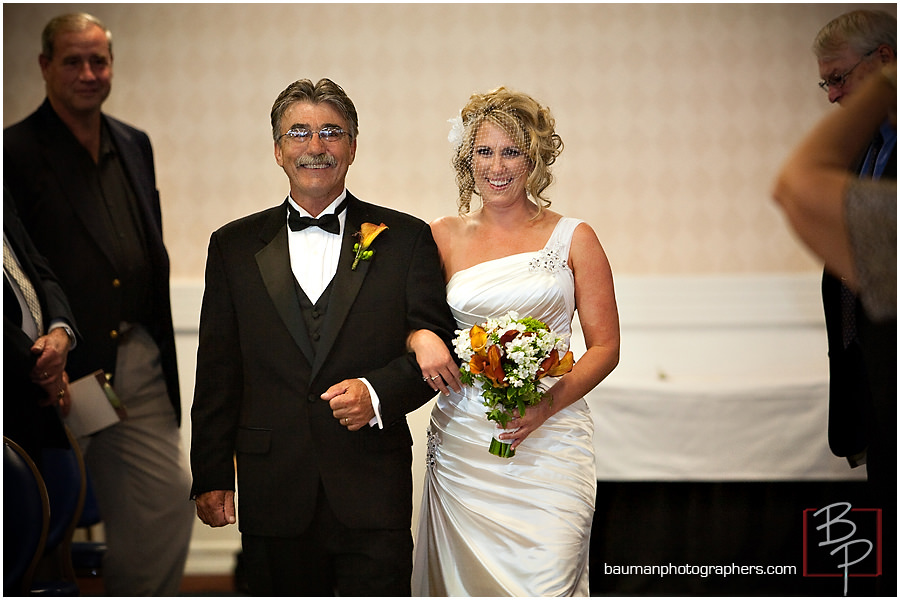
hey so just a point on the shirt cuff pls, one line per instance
(60, 324)
(376, 405)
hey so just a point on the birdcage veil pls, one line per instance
(526, 122)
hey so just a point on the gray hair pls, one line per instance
(323, 92)
(70, 22)
(860, 30)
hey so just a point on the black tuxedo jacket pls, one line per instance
(863, 377)
(258, 381)
(47, 185)
(24, 421)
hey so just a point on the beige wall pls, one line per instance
(675, 117)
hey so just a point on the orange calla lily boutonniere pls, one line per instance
(366, 234)
(508, 357)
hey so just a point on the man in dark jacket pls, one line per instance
(85, 187)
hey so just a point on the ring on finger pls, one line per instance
(435, 377)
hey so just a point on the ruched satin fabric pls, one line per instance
(519, 526)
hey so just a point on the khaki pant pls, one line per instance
(142, 479)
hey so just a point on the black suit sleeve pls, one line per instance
(399, 384)
(53, 299)
(24, 420)
(219, 385)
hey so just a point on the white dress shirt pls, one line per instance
(314, 261)
(29, 326)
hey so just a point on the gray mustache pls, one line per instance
(315, 160)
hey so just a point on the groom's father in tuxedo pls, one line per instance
(303, 378)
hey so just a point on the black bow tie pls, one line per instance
(329, 223)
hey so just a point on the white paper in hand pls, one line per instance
(92, 408)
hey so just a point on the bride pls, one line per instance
(518, 526)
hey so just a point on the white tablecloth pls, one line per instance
(690, 431)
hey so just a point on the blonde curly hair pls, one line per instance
(527, 122)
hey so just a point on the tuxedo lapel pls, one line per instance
(345, 286)
(274, 264)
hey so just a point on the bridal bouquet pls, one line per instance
(509, 356)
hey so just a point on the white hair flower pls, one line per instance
(455, 137)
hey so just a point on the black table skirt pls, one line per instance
(714, 523)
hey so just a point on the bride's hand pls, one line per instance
(535, 416)
(439, 369)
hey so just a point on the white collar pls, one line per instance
(328, 209)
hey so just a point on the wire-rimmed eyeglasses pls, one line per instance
(838, 81)
(302, 136)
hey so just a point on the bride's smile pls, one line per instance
(499, 163)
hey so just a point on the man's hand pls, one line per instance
(350, 403)
(52, 351)
(58, 396)
(216, 508)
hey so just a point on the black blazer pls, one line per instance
(862, 382)
(41, 172)
(24, 421)
(258, 384)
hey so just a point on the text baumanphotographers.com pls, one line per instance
(700, 570)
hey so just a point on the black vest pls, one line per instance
(314, 314)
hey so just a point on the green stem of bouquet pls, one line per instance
(501, 449)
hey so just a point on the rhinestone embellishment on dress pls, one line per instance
(548, 259)
(431, 448)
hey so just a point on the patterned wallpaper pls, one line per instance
(675, 117)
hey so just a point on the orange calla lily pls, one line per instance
(366, 234)
(548, 363)
(553, 366)
(478, 338)
(509, 336)
(563, 366)
(493, 369)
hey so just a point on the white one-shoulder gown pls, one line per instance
(519, 526)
